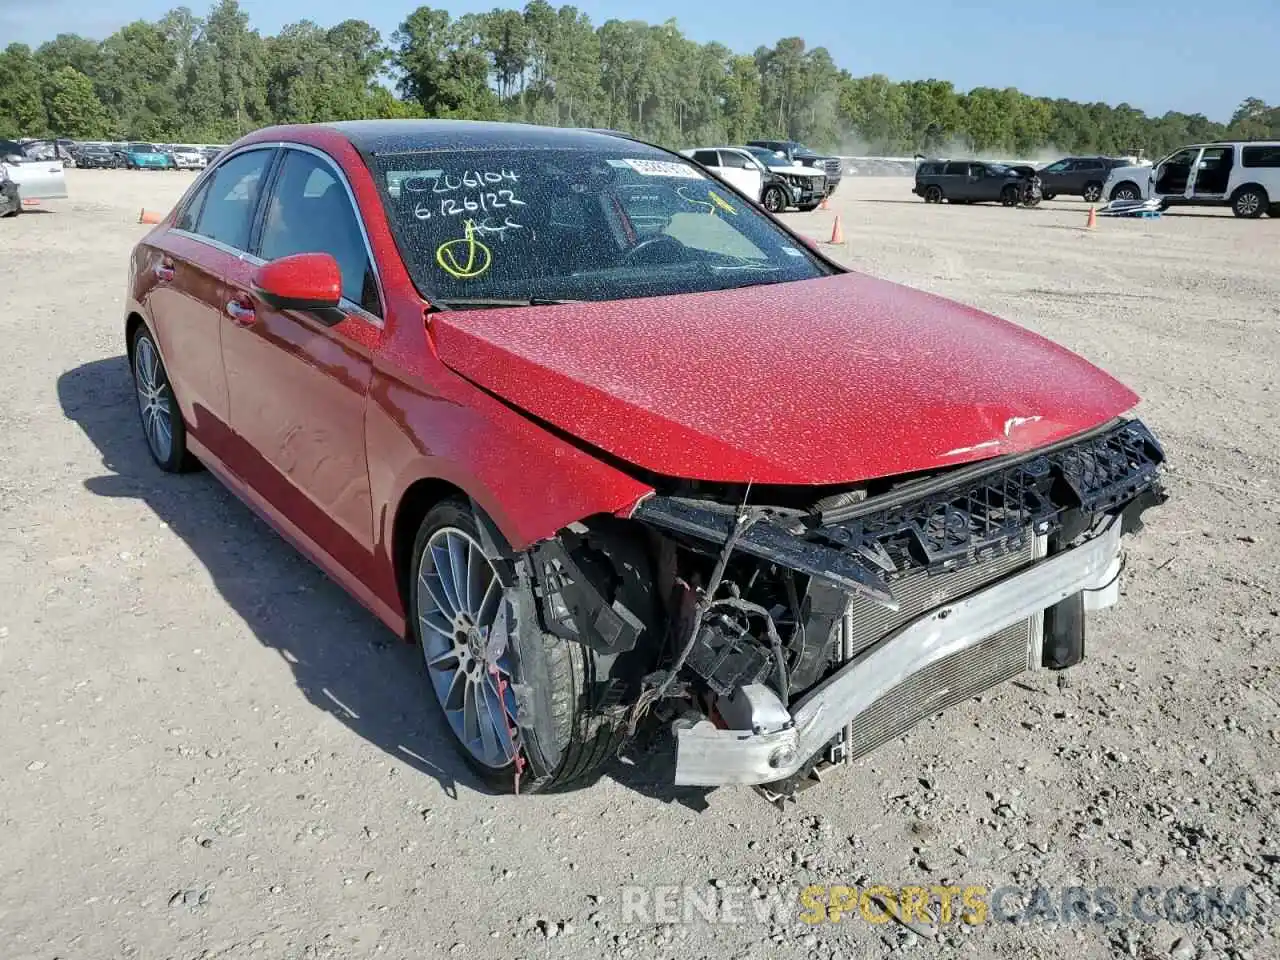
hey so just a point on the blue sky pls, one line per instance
(1175, 54)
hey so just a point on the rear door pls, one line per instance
(39, 179)
(297, 386)
(955, 181)
(189, 265)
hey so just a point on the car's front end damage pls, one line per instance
(798, 635)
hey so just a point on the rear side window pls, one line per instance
(231, 199)
(956, 169)
(191, 214)
(1264, 156)
(707, 158)
(930, 169)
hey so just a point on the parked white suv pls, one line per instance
(1241, 174)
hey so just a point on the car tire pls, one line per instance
(933, 193)
(1092, 192)
(1249, 203)
(1009, 196)
(10, 204)
(774, 199)
(1126, 191)
(1048, 196)
(158, 410)
(1274, 210)
(578, 723)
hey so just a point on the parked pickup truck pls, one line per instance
(801, 156)
(27, 181)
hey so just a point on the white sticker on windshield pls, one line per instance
(664, 168)
(792, 252)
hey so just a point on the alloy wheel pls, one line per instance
(154, 399)
(1248, 204)
(1092, 193)
(466, 624)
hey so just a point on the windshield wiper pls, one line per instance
(479, 303)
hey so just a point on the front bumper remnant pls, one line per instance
(709, 756)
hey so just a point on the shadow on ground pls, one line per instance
(343, 659)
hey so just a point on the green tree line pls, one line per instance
(212, 78)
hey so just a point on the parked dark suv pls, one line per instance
(798, 153)
(1078, 177)
(972, 181)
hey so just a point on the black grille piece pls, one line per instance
(972, 514)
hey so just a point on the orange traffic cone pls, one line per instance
(837, 235)
(824, 205)
(149, 216)
(1093, 218)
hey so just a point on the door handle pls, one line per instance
(163, 271)
(241, 312)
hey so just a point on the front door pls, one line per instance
(1213, 173)
(737, 170)
(1173, 176)
(190, 263)
(297, 386)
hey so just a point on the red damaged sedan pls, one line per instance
(614, 446)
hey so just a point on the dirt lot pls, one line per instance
(209, 751)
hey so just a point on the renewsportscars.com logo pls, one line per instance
(972, 904)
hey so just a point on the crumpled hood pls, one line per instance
(835, 380)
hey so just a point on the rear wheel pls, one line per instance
(933, 194)
(1126, 191)
(489, 661)
(1249, 202)
(1092, 192)
(774, 199)
(1049, 196)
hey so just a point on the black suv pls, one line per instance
(972, 181)
(1078, 177)
(798, 153)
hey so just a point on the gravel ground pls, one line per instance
(208, 750)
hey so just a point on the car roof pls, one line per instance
(405, 136)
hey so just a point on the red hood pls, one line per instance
(836, 380)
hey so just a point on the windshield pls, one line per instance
(142, 148)
(573, 224)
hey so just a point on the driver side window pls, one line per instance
(309, 211)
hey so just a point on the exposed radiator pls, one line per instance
(951, 680)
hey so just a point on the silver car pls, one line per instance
(27, 181)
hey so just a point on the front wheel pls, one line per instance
(161, 419)
(774, 200)
(1092, 192)
(524, 708)
(1249, 203)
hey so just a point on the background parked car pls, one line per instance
(800, 155)
(187, 157)
(1244, 175)
(807, 184)
(96, 156)
(974, 181)
(146, 156)
(1078, 177)
(23, 179)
